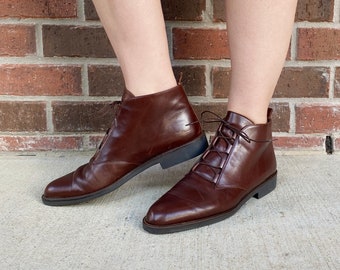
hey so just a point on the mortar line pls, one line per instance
(113, 61)
(293, 44)
(336, 14)
(81, 11)
(292, 122)
(39, 41)
(85, 80)
(208, 14)
(208, 82)
(58, 21)
(331, 83)
(49, 117)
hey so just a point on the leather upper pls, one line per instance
(144, 127)
(240, 158)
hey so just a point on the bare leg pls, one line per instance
(240, 162)
(259, 34)
(137, 33)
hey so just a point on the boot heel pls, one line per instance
(266, 187)
(184, 153)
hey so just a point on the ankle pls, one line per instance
(151, 87)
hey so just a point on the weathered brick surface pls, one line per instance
(40, 143)
(38, 8)
(318, 44)
(337, 83)
(193, 79)
(315, 10)
(35, 80)
(307, 10)
(95, 140)
(298, 142)
(22, 116)
(17, 40)
(55, 75)
(303, 82)
(315, 118)
(90, 11)
(105, 80)
(221, 81)
(200, 44)
(280, 117)
(293, 83)
(81, 116)
(178, 10)
(190, 10)
(219, 10)
(67, 40)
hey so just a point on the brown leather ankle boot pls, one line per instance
(147, 130)
(239, 164)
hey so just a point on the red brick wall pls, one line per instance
(57, 70)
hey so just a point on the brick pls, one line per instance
(105, 80)
(38, 8)
(307, 10)
(315, 10)
(318, 44)
(22, 116)
(17, 40)
(200, 44)
(298, 142)
(173, 10)
(337, 83)
(95, 140)
(33, 80)
(90, 11)
(219, 11)
(81, 116)
(303, 82)
(280, 117)
(193, 79)
(39, 143)
(316, 118)
(293, 82)
(76, 41)
(221, 81)
(190, 10)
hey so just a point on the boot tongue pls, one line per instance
(237, 120)
(127, 95)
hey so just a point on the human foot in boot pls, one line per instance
(239, 164)
(146, 130)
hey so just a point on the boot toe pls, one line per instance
(59, 188)
(170, 210)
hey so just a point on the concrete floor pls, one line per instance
(295, 227)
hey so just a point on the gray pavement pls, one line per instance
(295, 227)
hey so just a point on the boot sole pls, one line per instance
(166, 160)
(259, 192)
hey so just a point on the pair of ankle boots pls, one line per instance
(162, 129)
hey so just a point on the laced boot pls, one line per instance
(146, 130)
(239, 164)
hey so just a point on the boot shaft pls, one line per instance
(254, 153)
(148, 125)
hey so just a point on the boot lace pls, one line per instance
(227, 133)
(113, 108)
